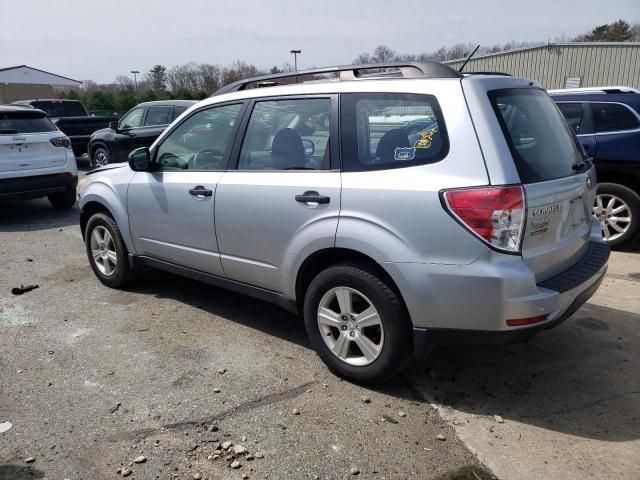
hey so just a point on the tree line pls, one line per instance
(196, 81)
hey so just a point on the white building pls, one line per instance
(23, 82)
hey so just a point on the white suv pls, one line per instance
(36, 159)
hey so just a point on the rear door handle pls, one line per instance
(312, 197)
(200, 191)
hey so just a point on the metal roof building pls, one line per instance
(23, 82)
(565, 65)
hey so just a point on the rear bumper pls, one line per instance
(425, 339)
(24, 188)
(472, 303)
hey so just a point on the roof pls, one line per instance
(18, 108)
(24, 74)
(549, 45)
(178, 103)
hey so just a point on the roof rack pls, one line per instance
(350, 72)
(585, 90)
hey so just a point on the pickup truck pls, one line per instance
(72, 119)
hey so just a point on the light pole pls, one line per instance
(295, 58)
(135, 79)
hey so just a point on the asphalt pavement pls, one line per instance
(165, 372)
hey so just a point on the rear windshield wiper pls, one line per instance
(7, 131)
(582, 165)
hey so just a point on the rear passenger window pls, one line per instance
(287, 135)
(177, 111)
(391, 130)
(158, 116)
(613, 117)
(573, 114)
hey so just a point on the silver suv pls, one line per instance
(396, 206)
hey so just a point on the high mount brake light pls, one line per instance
(495, 214)
(61, 142)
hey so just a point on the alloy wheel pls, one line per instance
(614, 215)
(103, 250)
(100, 159)
(350, 326)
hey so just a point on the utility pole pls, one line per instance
(135, 79)
(295, 58)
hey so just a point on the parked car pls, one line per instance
(476, 230)
(139, 127)
(36, 159)
(607, 123)
(72, 118)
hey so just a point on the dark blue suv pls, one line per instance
(607, 123)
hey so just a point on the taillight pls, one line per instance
(495, 214)
(61, 142)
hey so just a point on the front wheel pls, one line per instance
(107, 252)
(357, 324)
(100, 157)
(617, 208)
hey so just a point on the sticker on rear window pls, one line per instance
(426, 138)
(404, 153)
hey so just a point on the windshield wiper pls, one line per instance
(583, 165)
(8, 131)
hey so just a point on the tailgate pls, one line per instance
(30, 151)
(558, 224)
(559, 184)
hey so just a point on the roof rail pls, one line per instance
(585, 90)
(350, 72)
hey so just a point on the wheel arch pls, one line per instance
(629, 181)
(88, 210)
(325, 258)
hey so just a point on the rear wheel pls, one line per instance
(357, 324)
(64, 200)
(617, 208)
(100, 157)
(107, 252)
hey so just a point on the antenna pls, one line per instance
(469, 58)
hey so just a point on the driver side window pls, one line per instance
(199, 143)
(133, 119)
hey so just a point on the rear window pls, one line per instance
(391, 130)
(24, 122)
(542, 144)
(61, 108)
(613, 117)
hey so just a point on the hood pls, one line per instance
(111, 166)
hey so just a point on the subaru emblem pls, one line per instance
(589, 182)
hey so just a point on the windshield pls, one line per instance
(542, 145)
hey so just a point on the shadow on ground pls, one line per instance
(33, 215)
(19, 471)
(579, 378)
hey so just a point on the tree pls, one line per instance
(210, 77)
(382, 54)
(618, 31)
(157, 77)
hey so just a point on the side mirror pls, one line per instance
(113, 125)
(309, 147)
(140, 160)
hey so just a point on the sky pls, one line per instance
(100, 40)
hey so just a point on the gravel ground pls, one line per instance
(92, 378)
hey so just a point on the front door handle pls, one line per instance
(200, 191)
(312, 197)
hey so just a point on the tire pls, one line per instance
(64, 200)
(100, 157)
(391, 339)
(615, 201)
(114, 273)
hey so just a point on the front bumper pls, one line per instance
(36, 186)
